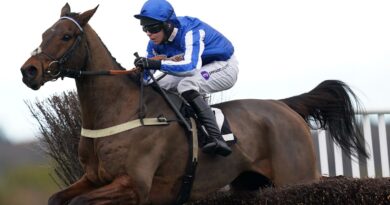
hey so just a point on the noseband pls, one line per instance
(61, 71)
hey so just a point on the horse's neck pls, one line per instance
(102, 96)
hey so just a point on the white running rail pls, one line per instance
(334, 162)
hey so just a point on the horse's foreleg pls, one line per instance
(121, 191)
(81, 186)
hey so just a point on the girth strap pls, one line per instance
(192, 163)
(123, 127)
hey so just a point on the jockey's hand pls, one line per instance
(147, 63)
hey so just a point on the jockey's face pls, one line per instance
(155, 32)
(157, 38)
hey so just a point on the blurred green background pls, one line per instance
(25, 174)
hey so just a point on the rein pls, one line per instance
(71, 73)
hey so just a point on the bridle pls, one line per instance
(61, 71)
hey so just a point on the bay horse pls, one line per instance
(145, 165)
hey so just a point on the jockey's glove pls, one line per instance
(147, 63)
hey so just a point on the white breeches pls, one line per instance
(213, 77)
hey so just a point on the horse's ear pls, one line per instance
(65, 10)
(84, 17)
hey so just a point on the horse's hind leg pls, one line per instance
(120, 191)
(295, 163)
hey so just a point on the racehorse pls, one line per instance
(146, 164)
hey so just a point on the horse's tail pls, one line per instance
(330, 105)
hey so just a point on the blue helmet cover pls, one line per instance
(160, 10)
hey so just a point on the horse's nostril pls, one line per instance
(30, 72)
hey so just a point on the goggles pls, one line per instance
(155, 28)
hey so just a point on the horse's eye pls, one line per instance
(66, 37)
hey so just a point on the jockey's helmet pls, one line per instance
(156, 11)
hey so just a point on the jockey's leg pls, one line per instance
(216, 144)
(121, 191)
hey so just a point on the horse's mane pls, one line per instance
(134, 76)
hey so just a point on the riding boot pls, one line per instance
(216, 144)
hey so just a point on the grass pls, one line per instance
(26, 185)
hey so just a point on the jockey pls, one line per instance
(199, 60)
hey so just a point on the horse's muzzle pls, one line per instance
(30, 73)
